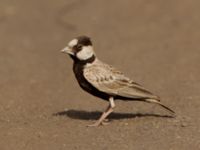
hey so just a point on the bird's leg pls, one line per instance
(109, 110)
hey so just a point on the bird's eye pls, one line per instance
(79, 47)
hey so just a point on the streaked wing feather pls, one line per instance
(109, 80)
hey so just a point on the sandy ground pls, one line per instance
(155, 42)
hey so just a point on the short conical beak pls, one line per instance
(67, 50)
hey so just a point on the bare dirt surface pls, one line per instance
(156, 43)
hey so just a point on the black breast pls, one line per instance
(84, 84)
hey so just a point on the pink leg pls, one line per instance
(109, 110)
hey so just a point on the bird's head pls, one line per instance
(80, 48)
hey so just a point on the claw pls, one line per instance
(105, 123)
(96, 124)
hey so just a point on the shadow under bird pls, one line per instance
(103, 80)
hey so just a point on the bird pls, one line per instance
(103, 80)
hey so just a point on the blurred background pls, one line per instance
(156, 43)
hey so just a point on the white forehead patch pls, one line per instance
(73, 42)
(85, 53)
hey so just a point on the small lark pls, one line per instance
(102, 80)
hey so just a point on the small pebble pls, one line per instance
(184, 124)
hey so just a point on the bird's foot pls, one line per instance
(105, 122)
(96, 124)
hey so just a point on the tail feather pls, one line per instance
(157, 101)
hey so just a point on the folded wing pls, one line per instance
(109, 80)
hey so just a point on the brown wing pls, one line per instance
(109, 80)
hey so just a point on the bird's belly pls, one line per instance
(92, 90)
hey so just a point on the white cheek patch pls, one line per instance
(73, 42)
(86, 53)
